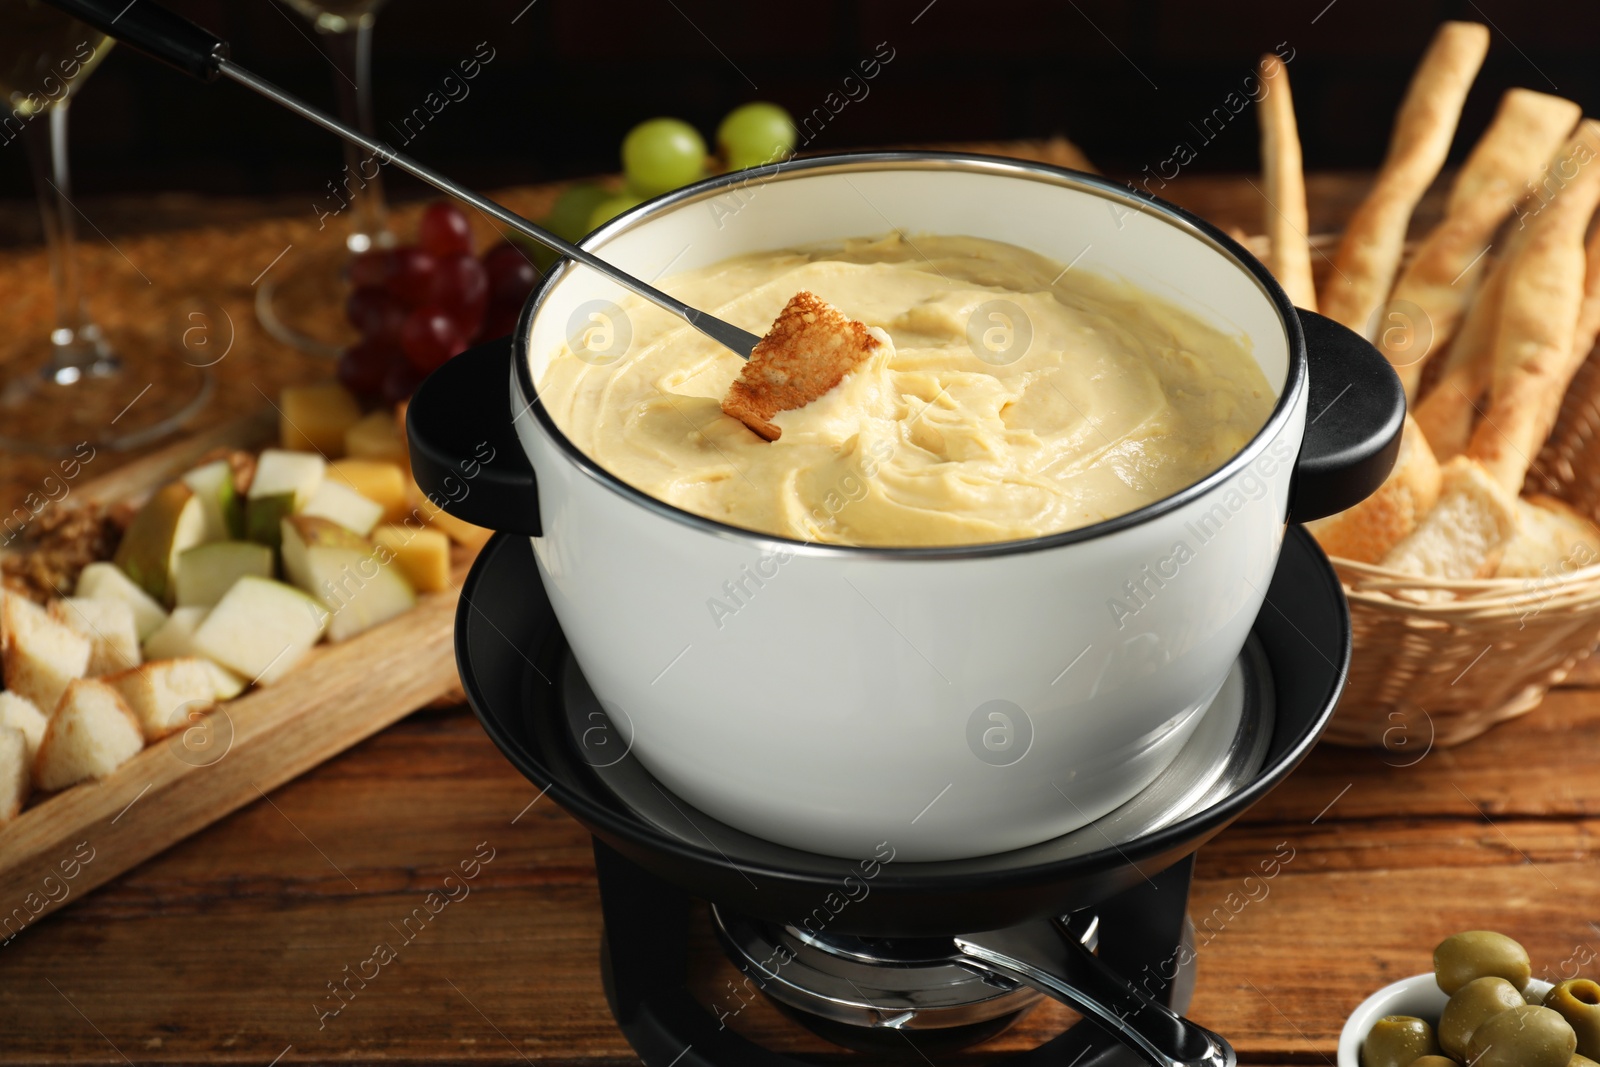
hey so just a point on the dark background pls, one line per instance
(1123, 80)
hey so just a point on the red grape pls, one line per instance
(400, 381)
(375, 312)
(411, 279)
(498, 321)
(461, 288)
(444, 230)
(431, 336)
(512, 275)
(371, 267)
(362, 366)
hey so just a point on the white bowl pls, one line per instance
(1418, 995)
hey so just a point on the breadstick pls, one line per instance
(1534, 342)
(1434, 288)
(1289, 256)
(1364, 265)
(1589, 314)
(1448, 411)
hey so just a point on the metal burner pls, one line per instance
(889, 983)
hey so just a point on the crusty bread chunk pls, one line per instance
(108, 625)
(20, 713)
(1552, 540)
(40, 655)
(164, 694)
(91, 734)
(809, 350)
(1367, 531)
(15, 777)
(1466, 533)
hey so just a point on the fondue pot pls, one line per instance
(955, 701)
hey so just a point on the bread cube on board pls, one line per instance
(108, 625)
(166, 695)
(91, 734)
(39, 655)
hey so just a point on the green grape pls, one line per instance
(662, 154)
(755, 134)
(610, 208)
(569, 219)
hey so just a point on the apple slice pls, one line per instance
(376, 437)
(422, 555)
(346, 573)
(337, 501)
(284, 483)
(314, 418)
(171, 521)
(175, 637)
(206, 572)
(175, 640)
(213, 484)
(261, 629)
(376, 480)
(106, 581)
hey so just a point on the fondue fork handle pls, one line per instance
(1038, 954)
(152, 29)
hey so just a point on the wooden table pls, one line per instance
(222, 949)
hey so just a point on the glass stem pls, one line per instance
(360, 183)
(76, 346)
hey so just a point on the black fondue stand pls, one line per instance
(938, 955)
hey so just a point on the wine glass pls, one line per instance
(292, 305)
(73, 387)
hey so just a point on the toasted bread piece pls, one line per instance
(16, 777)
(1369, 252)
(20, 713)
(39, 654)
(809, 350)
(1552, 540)
(91, 734)
(1366, 532)
(164, 695)
(1466, 533)
(109, 626)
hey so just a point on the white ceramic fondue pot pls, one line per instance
(951, 701)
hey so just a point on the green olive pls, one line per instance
(1478, 954)
(1578, 1001)
(1576, 1061)
(1479, 999)
(1396, 1041)
(1443, 1061)
(1524, 1036)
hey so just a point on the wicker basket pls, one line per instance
(1437, 663)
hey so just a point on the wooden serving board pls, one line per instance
(82, 837)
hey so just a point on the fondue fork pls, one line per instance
(151, 29)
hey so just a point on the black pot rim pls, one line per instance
(1295, 383)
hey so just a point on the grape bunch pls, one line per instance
(418, 305)
(660, 155)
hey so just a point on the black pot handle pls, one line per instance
(1353, 421)
(465, 453)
